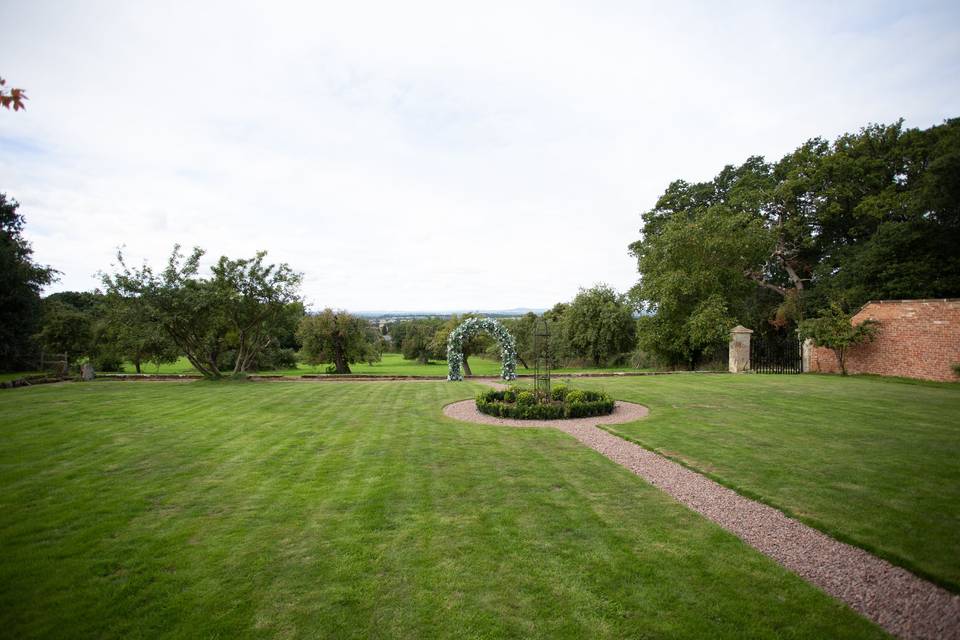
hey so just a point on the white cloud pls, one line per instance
(408, 155)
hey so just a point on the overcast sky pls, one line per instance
(447, 155)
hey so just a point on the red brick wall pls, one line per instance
(915, 339)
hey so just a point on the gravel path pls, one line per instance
(894, 598)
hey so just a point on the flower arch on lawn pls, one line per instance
(469, 328)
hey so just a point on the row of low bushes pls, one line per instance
(523, 404)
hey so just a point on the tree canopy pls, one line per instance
(239, 309)
(599, 324)
(338, 337)
(872, 215)
(21, 280)
(415, 339)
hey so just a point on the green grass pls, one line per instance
(392, 364)
(871, 461)
(241, 510)
(5, 377)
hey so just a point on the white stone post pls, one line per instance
(740, 349)
(807, 354)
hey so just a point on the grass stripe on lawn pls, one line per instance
(353, 510)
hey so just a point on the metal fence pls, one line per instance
(776, 355)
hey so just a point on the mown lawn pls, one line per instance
(869, 460)
(297, 509)
(5, 377)
(392, 364)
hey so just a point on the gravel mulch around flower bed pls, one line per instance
(892, 597)
(466, 410)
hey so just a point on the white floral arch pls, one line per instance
(469, 328)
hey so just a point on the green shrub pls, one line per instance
(641, 359)
(107, 362)
(280, 358)
(524, 407)
(956, 369)
(526, 398)
(559, 392)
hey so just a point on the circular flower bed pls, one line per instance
(564, 403)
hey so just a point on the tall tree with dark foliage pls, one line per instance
(21, 280)
(873, 215)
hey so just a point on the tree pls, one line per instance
(875, 214)
(834, 329)
(66, 329)
(416, 338)
(473, 345)
(599, 324)
(890, 215)
(77, 322)
(21, 280)
(239, 308)
(13, 98)
(698, 241)
(337, 337)
(255, 299)
(136, 338)
(281, 353)
(522, 331)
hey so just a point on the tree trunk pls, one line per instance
(136, 364)
(466, 366)
(842, 357)
(206, 370)
(340, 361)
(212, 370)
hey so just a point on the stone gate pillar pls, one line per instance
(807, 355)
(740, 349)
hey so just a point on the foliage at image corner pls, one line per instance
(21, 281)
(523, 404)
(471, 327)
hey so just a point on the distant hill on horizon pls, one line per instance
(376, 313)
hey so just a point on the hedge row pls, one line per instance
(522, 405)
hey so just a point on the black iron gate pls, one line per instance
(773, 354)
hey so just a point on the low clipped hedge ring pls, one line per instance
(524, 405)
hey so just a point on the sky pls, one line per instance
(424, 156)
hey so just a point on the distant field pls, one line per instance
(392, 364)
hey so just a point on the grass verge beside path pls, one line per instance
(871, 461)
(240, 510)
